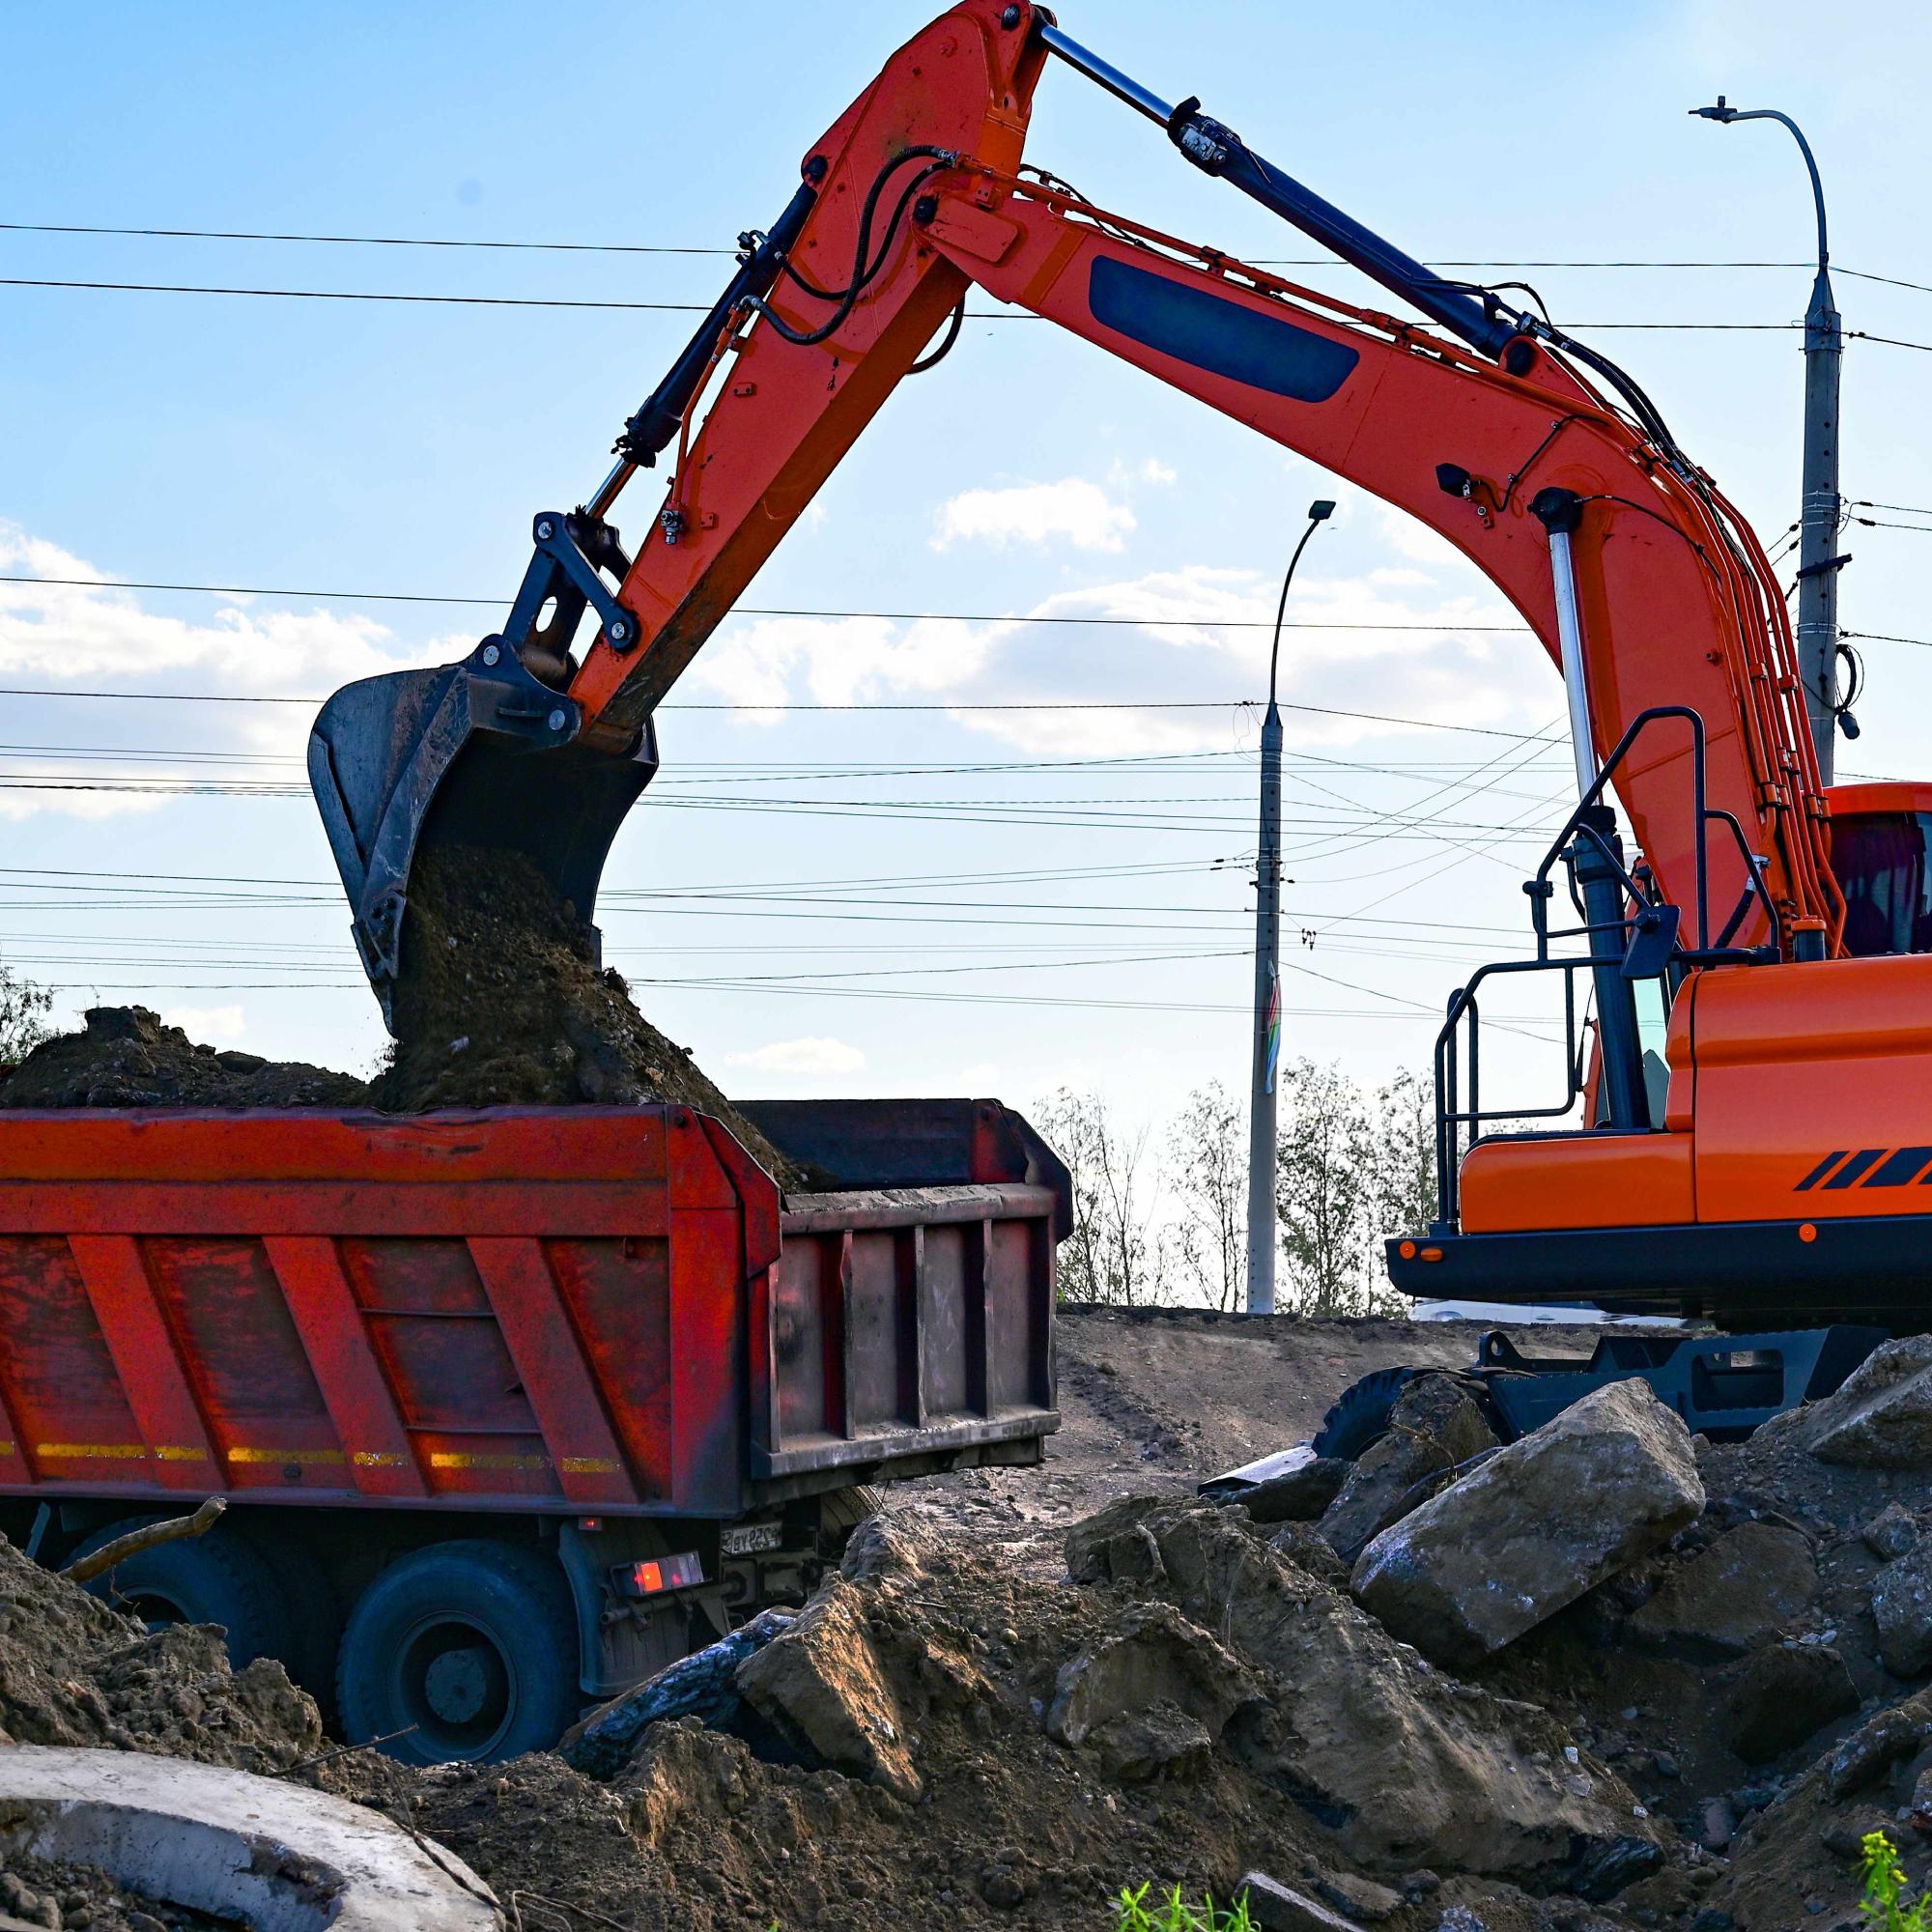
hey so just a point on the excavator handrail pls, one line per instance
(1579, 825)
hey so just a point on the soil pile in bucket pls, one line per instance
(501, 1003)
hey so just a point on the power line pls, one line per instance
(761, 610)
(672, 248)
(1891, 341)
(1885, 638)
(668, 308)
(386, 296)
(1063, 704)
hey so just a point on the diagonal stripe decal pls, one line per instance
(1852, 1168)
(1819, 1172)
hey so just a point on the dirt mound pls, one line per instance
(126, 1057)
(74, 1672)
(501, 1003)
(1016, 1749)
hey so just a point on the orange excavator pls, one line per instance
(1745, 1125)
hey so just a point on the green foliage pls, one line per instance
(1173, 1913)
(1883, 1878)
(24, 1016)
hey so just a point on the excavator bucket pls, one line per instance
(478, 753)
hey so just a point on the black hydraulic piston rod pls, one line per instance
(1219, 150)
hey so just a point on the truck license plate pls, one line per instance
(742, 1539)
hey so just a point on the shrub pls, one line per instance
(1173, 1913)
(1884, 1877)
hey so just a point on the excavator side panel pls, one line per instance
(1590, 1178)
(1814, 1092)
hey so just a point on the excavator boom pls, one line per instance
(1538, 460)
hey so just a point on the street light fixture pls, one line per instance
(1818, 559)
(1261, 1242)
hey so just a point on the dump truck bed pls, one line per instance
(583, 1310)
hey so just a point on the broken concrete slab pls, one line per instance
(1112, 1545)
(1405, 1766)
(1151, 1698)
(1881, 1416)
(1536, 1526)
(1784, 1694)
(258, 1850)
(1749, 1583)
(1279, 1908)
(821, 1681)
(1434, 1425)
(1298, 1495)
(1881, 1742)
(1901, 1606)
(1891, 1532)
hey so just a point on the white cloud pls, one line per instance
(816, 1054)
(96, 635)
(1073, 508)
(1148, 470)
(841, 660)
(1168, 635)
(1411, 537)
(211, 1024)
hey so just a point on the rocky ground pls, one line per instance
(1609, 1677)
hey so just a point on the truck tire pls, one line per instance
(469, 1647)
(841, 1511)
(312, 1606)
(219, 1578)
(1359, 1418)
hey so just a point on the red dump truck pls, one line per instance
(511, 1408)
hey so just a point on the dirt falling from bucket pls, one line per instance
(501, 1003)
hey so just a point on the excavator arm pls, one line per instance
(1536, 458)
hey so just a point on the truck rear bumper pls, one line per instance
(1872, 1268)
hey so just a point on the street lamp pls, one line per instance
(1267, 975)
(1818, 560)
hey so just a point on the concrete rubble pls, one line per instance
(1535, 1527)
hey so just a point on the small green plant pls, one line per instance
(1884, 1877)
(1173, 1913)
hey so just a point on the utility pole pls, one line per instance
(1262, 1239)
(1822, 508)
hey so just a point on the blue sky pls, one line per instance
(903, 918)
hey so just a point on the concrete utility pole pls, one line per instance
(1261, 1242)
(1818, 559)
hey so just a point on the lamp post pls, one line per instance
(1261, 1242)
(1818, 559)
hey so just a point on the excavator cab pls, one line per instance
(1882, 855)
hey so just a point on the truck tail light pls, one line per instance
(657, 1574)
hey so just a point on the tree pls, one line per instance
(1326, 1191)
(23, 1012)
(1117, 1253)
(1404, 1156)
(1209, 1174)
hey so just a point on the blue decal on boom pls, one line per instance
(1211, 332)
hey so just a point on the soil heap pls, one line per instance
(500, 1003)
(1013, 1713)
(126, 1057)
